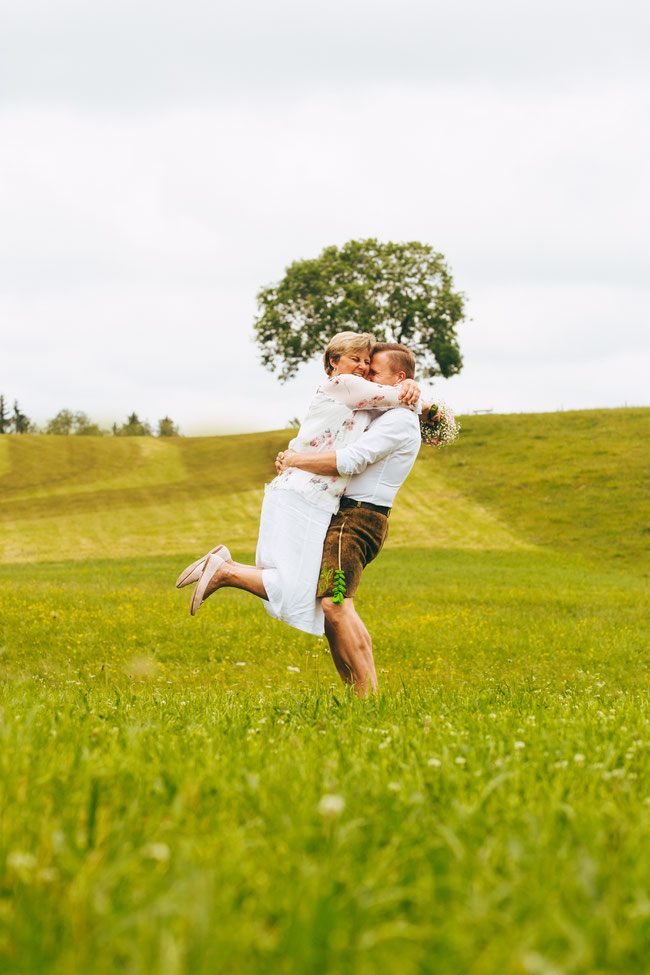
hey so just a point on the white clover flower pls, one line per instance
(157, 851)
(331, 805)
(519, 745)
(459, 760)
(579, 758)
(20, 861)
(434, 762)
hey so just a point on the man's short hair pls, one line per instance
(346, 343)
(401, 359)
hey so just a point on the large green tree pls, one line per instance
(399, 292)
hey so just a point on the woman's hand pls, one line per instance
(428, 416)
(409, 392)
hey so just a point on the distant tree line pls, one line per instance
(78, 424)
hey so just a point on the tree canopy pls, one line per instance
(134, 427)
(167, 428)
(66, 423)
(5, 421)
(77, 423)
(398, 292)
(19, 421)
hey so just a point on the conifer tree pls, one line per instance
(5, 420)
(19, 421)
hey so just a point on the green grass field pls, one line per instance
(202, 795)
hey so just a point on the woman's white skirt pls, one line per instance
(289, 550)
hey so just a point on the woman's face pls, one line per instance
(355, 363)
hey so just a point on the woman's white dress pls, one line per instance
(298, 506)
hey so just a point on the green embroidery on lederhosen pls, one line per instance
(324, 579)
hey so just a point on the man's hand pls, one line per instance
(315, 463)
(283, 460)
(409, 392)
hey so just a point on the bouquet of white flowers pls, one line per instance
(439, 427)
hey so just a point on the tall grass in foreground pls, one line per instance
(191, 796)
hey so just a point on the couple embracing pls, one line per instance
(325, 515)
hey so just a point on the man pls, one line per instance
(380, 461)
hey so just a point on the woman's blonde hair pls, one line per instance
(346, 343)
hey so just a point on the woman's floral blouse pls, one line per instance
(338, 415)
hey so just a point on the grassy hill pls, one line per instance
(572, 482)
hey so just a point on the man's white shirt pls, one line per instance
(382, 458)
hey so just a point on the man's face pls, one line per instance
(381, 370)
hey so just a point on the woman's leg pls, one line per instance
(236, 575)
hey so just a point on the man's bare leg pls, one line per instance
(351, 645)
(236, 575)
(344, 671)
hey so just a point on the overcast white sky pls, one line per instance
(160, 162)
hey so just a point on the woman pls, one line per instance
(298, 506)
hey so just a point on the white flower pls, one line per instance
(434, 762)
(579, 758)
(295, 670)
(460, 760)
(519, 745)
(240, 663)
(157, 851)
(331, 805)
(21, 862)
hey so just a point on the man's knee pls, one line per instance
(335, 612)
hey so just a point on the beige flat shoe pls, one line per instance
(193, 572)
(212, 565)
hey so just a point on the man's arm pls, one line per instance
(314, 463)
(384, 436)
